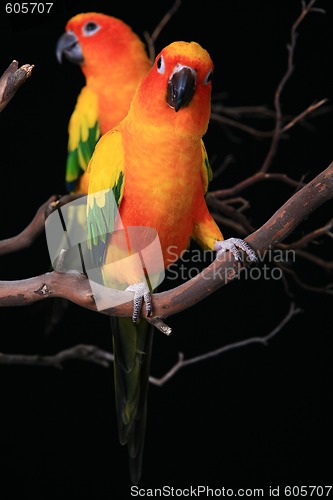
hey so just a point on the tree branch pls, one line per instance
(75, 286)
(80, 352)
(151, 39)
(182, 363)
(218, 117)
(250, 181)
(94, 354)
(306, 8)
(36, 226)
(11, 80)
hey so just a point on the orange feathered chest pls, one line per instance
(162, 189)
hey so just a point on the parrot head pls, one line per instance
(97, 42)
(178, 86)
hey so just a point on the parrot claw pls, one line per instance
(234, 245)
(141, 293)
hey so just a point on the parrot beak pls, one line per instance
(181, 87)
(68, 46)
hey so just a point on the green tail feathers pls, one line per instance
(132, 345)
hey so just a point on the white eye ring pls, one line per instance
(90, 28)
(160, 64)
(208, 77)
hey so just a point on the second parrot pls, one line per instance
(113, 60)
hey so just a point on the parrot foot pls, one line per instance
(234, 245)
(141, 293)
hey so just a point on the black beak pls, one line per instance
(181, 88)
(68, 46)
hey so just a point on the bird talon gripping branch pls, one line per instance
(141, 294)
(234, 245)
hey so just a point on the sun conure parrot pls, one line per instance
(113, 60)
(154, 164)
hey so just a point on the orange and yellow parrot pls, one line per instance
(113, 60)
(155, 166)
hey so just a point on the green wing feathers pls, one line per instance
(206, 171)
(84, 132)
(106, 170)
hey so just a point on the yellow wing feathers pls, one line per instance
(84, 117)
(84, 132)
(107, 164)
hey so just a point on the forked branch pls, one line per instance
(75, 286)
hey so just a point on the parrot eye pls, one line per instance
(90, 28)
(209, 77)
(160, 65)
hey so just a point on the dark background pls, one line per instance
(253, 417)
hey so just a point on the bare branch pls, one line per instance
(160, 325)
(325, 264)
(250, 181)
(242, 203)
(313, 235)
(228, 160)
(302, 115)
(182, 363)
(151, 39)
(80, 352)
(94, 354)
(260, 111)
(328, 289)
(75, 286)
(306, 8)
(230, 212)
(11, 80)
(224, 120)
(36, 226)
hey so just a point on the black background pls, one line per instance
(253, 417)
